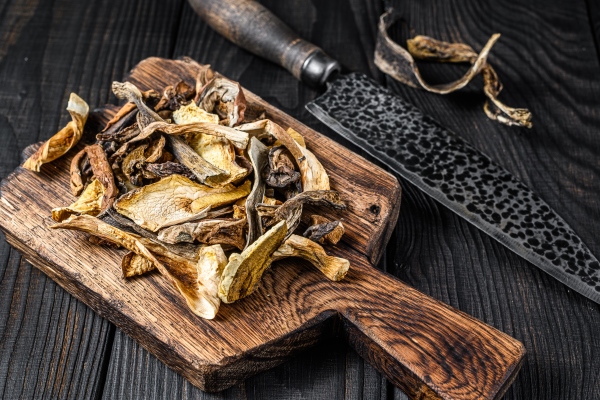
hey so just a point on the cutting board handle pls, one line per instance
(254, 28)
(425, 347)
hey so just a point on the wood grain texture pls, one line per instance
(424, 346)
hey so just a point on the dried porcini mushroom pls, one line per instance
(174, 97)
(63, 140)
(281, 172)
(103, 173)
(334, 268)
(162, 170)
(204, 171)
(90, 203)
(258, 156)
(174, 198)
(134, 264)
(192, 113)
(213, 231)
(399, 63)
(185, 275)
(244, 271)
(76, 181)
(291, 210)
(184, 228)
(225, 98)
(322, 230)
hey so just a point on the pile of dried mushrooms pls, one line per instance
(197, 185)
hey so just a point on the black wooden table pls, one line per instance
(53, 346)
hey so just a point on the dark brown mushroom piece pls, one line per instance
(281, 172)
(103, 172)
(175, 96)
(323, 230)
(259, 157)
(216, 231)
(291, 210)
(225, 98)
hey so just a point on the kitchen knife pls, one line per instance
(415, 146)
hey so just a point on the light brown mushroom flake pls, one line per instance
(334, 268)
(244, 271)
(64, 139)
(174, 198)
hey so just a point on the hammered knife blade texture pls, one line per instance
(459, 176)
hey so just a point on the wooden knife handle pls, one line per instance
(254, 28)
(425, 347)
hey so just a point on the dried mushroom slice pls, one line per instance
(322, 230)
(173, 198)
(281, 172)
(64, 139)
(204, 171)
(258, 156)
(175, 97)
(155, 150)
(215, 231)
(224, 97)
(220, 153)
(162, 170)
(399, 63)
(182, 273)
(244, 271)
(76, 176)
(192, 113)
(238, 138)
(130, 162)
(291, 210)
(334, 268)
(134, 264)
(90, 203)
(128, 91)
(103, 173)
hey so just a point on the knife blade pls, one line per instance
(416, 147)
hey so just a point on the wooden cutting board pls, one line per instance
(425, 347)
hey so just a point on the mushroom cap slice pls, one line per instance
(90, 202)
(174, 199)
(244, 271)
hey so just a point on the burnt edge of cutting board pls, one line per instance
(455, 356)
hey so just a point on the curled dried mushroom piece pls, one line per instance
(322, 230)
(399, 63)
(244, 271)
(334, 268)
(89, 203)
(64, 139)
(225, 98)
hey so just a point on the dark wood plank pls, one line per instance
(547, 62)
(52, 345)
